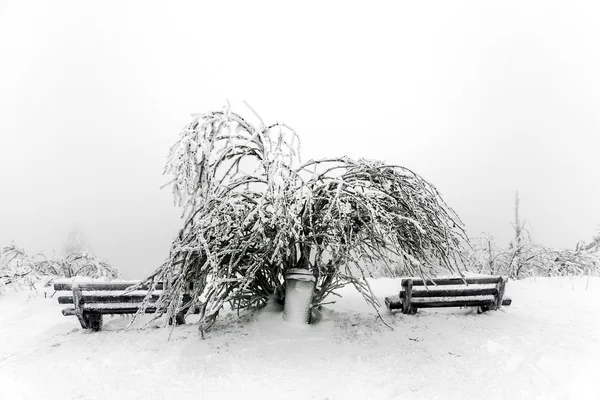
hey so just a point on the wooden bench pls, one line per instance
(486, 293)
(92, 300)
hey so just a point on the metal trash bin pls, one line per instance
(300, 287)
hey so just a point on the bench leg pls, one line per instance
(179, 318)
(482, 309)
(82, 321)
(406, 306)
(501, 288)
(78, 304)
(93, 321)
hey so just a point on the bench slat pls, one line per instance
(131, 310)
(395, 303)
(437, 292)
(123, 310)
(105, 299)
(453, 281)
(112, 293)
(92, 286)
(424, 300)
(454, 303)
(112, 299)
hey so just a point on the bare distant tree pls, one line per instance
(525, 258)
(76, 243)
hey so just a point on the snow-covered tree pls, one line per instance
(253, 210)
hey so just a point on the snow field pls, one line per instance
(546, 345)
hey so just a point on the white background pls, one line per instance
(480, 98)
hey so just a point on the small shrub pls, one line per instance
(16, 266)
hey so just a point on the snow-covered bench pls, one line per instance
(91, 300)
(486, 293)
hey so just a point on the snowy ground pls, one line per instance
(546, 345)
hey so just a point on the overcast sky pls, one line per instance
(480, 98)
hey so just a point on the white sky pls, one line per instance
(480, 98)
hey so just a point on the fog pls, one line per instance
(480, 98)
